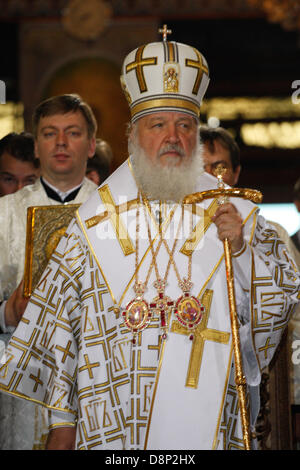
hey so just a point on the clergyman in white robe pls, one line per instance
(21, 424)
(73, 353)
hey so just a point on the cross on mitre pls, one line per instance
(165, 31)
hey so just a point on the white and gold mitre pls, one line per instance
(164, 76)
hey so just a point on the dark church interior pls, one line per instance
(252, 48)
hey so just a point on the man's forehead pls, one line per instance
(11, 164)
(63, 119)
(168, 115)
(216, 155)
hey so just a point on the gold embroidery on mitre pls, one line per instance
(138, 66)
(201, 68)
(125, 90)
(171, 78)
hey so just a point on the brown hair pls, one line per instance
(63, 104)
(209, 135)
(101, 160)
(20, 146)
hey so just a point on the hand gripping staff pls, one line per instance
(222, 194)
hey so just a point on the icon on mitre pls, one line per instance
(171, 76)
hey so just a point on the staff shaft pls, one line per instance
(240, 379)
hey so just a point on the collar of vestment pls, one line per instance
(60, 196)
(108, 221)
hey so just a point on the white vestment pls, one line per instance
(20, 423)
(73, 353)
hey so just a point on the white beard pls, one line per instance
(166, 183)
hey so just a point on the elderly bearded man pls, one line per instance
(160, 383)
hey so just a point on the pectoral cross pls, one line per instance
(201, 334)
(162, 304)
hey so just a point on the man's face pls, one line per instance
(63, 147)
(220, 155)
(168, 138)
(14, 174)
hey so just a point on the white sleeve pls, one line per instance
(61, 419)
(267, 292)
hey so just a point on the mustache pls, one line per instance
(171, 148)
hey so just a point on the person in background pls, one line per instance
(98, 167)
(18, 165)
(220, 147)
(64, 130)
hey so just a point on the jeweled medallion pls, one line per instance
(137, 315)
(189, 311)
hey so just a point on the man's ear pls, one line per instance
(132, 132)
(237, 174)
(36, 152)
(297, 204)
(92, 147)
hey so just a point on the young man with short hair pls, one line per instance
(18, 165)
(64, 138)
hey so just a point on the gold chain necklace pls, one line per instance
(161, 304)
(188, 309)
(137, 314)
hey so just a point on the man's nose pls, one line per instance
(61, 139)
(172, 135)
(20, 185)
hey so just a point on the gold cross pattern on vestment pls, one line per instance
(200, 229)
(37, 379)
(112, 213)
(200, 334)
(66, 351)
(266, 347)
(89, 366)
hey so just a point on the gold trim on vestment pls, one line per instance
(215, 441)
(97, 219)
(69, 424)
(33, 400)
(116, 221)
(94, 254)
(199, 229)
(27, 291)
